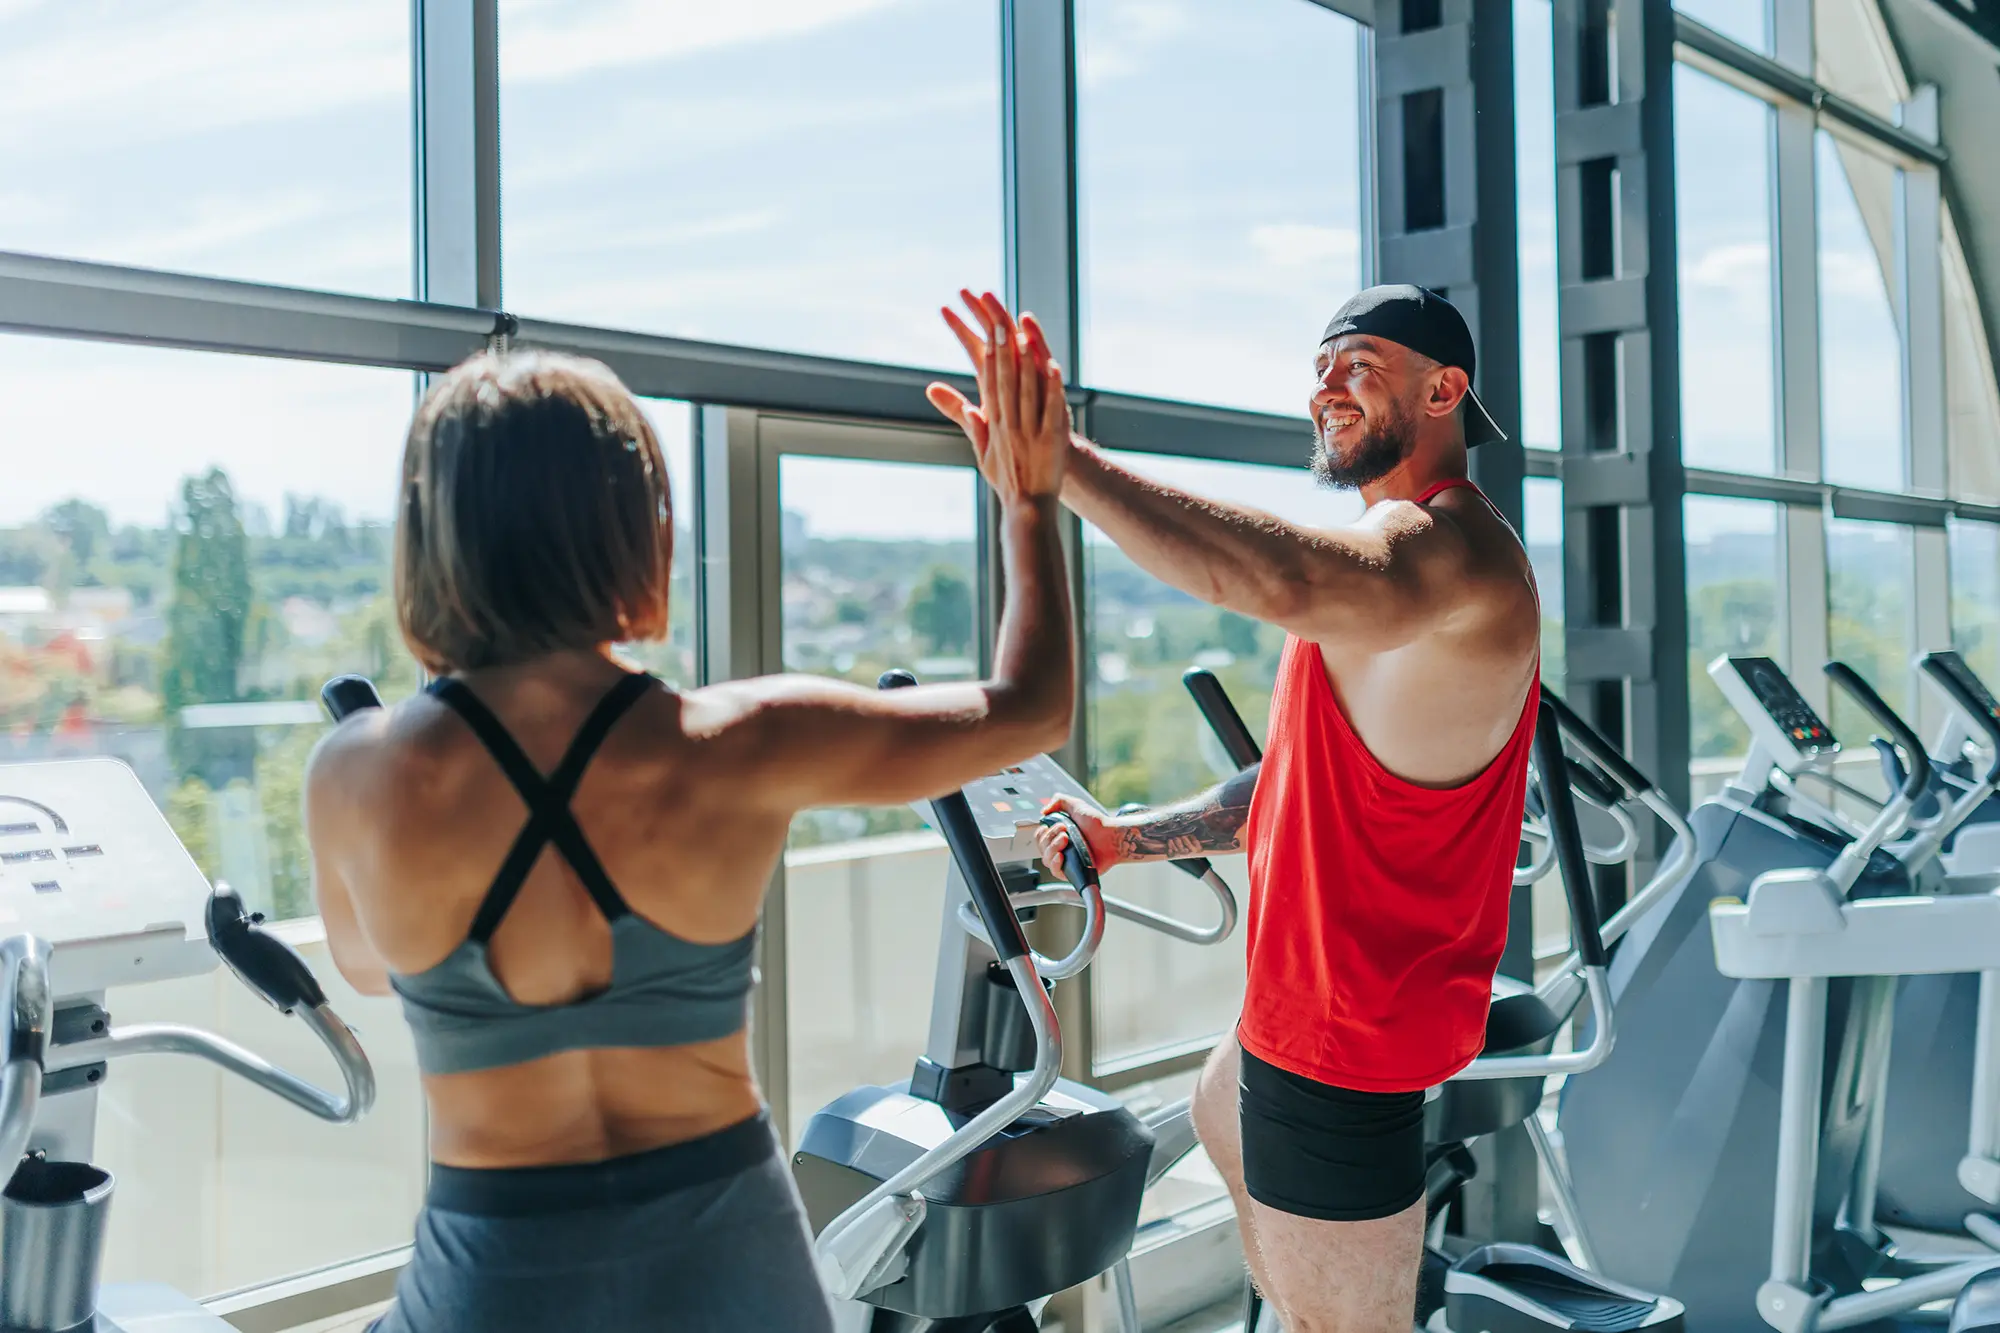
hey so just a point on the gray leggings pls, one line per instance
(699, 1236)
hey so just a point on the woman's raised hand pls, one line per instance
(1020, 430)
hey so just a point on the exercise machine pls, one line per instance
(97, 892)
(959, 1200)
(1671, 1143)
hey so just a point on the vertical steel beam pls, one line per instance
(1618, 318)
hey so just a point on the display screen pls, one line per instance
(1954, 666)
(1782, 700)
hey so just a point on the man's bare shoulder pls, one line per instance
(1498, 609)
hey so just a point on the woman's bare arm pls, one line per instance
(813, 741)
(328, 811)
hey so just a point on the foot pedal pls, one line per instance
(1509, 1288)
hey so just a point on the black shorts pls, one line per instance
(1313, 1150)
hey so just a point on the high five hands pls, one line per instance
(1020, 430)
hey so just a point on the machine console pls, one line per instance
(1778, 715)
(1008, 805)
(1954, 666)
(88, 863)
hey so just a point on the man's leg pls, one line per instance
(1341, 1277)
(1217, 1123)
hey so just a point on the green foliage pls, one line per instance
(211, 603)
(941, 611)
(187, 809)
(281, 792)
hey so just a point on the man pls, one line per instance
(1383, 826)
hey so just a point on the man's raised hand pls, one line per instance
(1020, 429)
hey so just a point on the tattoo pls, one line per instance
(1211, 822)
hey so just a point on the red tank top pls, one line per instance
(1378, 908)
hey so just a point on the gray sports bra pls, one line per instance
(664, 991)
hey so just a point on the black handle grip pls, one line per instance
(344, 696)
(263, 962)
(1940, 668)
(1890, 721)
(1223, 719)
(1590, 784)
(1593, 743)
(1568, 835)
(1077, 868)
(953, 816)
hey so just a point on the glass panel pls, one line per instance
(1221, 195)
(1972, 394)
(818, 178)
(1148, 743)
(1975, 596)
(1729, 405)
(1741, 21)
(674, 658)
(174, 596)
(1735, 577)
(228, 137)
(1542, 499)
(1871, 586)
(880, 571)
(1861, 375)
(1535, 163)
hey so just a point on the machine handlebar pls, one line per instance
(344, 696)
(1919, 776)
(1567, 834)
(1223, 719)
(1594, 744)
(1938, 666)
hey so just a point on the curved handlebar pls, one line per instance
(24, 966)
(1567, 835)
(1223, 719)
(1894, 817)
(1594, 744)
(344, 696)
(1849, 680)
(1969, 704)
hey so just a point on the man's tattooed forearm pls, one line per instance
(1210, 823)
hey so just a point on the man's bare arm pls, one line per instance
(1378, 584)
(1208, 824)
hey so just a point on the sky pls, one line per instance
(814, 175)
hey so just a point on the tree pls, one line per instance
(210, 603)
(82, 527)
(940, 611)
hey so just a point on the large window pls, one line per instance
(1729, 405)
(1535, 220)
(1744, 21)
(1221, 195)
(1735, 577)
(818, 178)
(1861, 375)
(1870, 587)
(190, 544)
(868, 585)
(229, 137)
(1975, 596)
(1543, 535)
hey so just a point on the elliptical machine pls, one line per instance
(959, 1200)
(100, 893)
(1671, 1143)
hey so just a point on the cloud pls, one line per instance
(1742, 265)
(1855, 274)
(546, 40)
(1299, 244)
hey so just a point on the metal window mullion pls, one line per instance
(741, 600)
(1919, 264)
(455, 50)
(1794, 233)
(1807, 639)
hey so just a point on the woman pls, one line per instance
(558, 863)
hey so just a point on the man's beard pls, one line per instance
(1374, 456)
